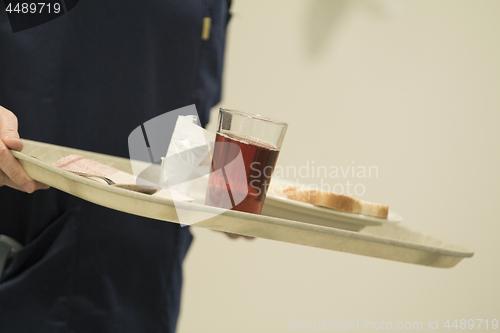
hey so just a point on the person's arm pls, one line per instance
(12, 173)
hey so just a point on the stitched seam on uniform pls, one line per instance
(72, 271)
(202, 46)
(175, 254)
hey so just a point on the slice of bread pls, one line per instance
(340, 202)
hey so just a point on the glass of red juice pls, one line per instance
(244, 156)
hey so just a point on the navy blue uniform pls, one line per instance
(85, 80)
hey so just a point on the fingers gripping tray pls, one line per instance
(395, 242)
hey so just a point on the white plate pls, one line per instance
(277, 206)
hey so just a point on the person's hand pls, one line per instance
(235, 236)
(12, 173)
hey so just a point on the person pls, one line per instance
(85, 80)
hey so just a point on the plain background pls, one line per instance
(412, 87)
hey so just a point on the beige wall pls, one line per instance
(412, 87)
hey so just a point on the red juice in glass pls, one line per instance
(244, 156)
(241, 171)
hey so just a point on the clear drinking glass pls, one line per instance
(244, 156)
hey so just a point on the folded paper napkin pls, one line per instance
(77, 163)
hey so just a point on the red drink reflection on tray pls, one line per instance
(241, 172)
